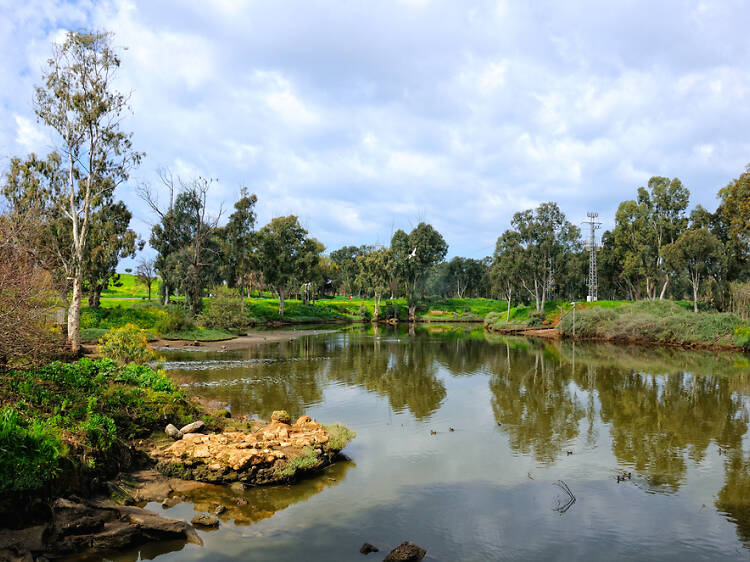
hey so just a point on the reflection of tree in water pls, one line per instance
(532, 399)
(733, 500)
(405, 372)
(288, 375)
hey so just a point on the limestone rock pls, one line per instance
(367, 548)
(281, 416)
(195, 427)
(406, 552)
(205, 520)
(173, 432)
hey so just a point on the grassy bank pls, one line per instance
(65, 424)
(662, 322)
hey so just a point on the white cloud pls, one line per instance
(365, 119)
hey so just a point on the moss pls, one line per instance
(338, 437)
(306, 460)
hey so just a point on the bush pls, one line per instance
(742, 336)
(391, 311)
(364, 313)
(536, 319)
(493, 318)
(177, 320)
(29, 452)
(127, 345)
(225, 312)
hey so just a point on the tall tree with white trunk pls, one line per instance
(79, 102)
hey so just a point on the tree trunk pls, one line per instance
(95, 296)
(149, 291)
(376, 307)
(412, 313)
(664, 288)
(695, 279)
(281, 302)
(166, 294)
(74, 317)
(507, 313)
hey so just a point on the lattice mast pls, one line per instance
(593, 280)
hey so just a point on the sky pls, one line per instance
(365, 117)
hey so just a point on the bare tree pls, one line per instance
(146, 274)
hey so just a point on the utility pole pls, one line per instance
(593, 281)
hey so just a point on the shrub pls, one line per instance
(742, 336)
(391, 311)
(127, 345)
(364, 312)
(493, 318)
(338, 436)
(225, 312)
(29, 452)
(177, 320)
(536, 319)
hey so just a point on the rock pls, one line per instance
(205, 520)
(302, 420)
(406, 552)
(171, 502)
(237, 487)
(195, 427)
(241, 501)
(281, 416)
(173, 432)
(220, 509)
(367, 548)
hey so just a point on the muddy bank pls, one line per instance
(240, 342)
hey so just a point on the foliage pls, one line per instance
(364, 313)
(145, 274)
(653, 321)
(740, 299)
(698, 253)
(742, 336)
(127, 344)
(145, 317)
(225, 312)
(30, 452)
(177, 320)
(338, 436)
(306, 460)
(67, 416)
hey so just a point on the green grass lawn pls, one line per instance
(130, 288)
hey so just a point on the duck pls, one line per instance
(451, 429)
(569, 452)
(433, 432)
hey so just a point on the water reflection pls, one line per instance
(673, 418)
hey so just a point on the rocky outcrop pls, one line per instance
(277, 452)
(92, 526)
(406, 552)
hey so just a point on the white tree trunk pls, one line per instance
(74, 316)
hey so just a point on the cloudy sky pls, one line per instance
(363, 117)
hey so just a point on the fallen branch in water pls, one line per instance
(564, 504)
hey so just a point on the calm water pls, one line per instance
(526, 415)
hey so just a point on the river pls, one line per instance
(541, 450)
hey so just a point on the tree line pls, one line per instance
(77, 232)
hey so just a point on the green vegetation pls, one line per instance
(654, 321)
(73, 416)
(127, 345)
(338, 436)
(306, 460)
(128, 287)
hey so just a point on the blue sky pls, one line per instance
(364, 117)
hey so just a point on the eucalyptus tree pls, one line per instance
(465, 275)
(643, 227)
(547, 238)
(239, 263)
(376, 267)
(79, 102)
(286, 255)
(507, 267)
(698, 253)
(414, 254)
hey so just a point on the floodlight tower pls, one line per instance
(593, 281)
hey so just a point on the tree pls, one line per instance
(110, 239)
(546, 238)
(79, 102)
(27, 300)
(376, 267)
(414, 254)
(466, 275)
(643, 227)
(733, 225)
(145, 274)
(286, 254)
(188, 251)
(697, 252)
(237, 238)
(347, 267)
(507, 267)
